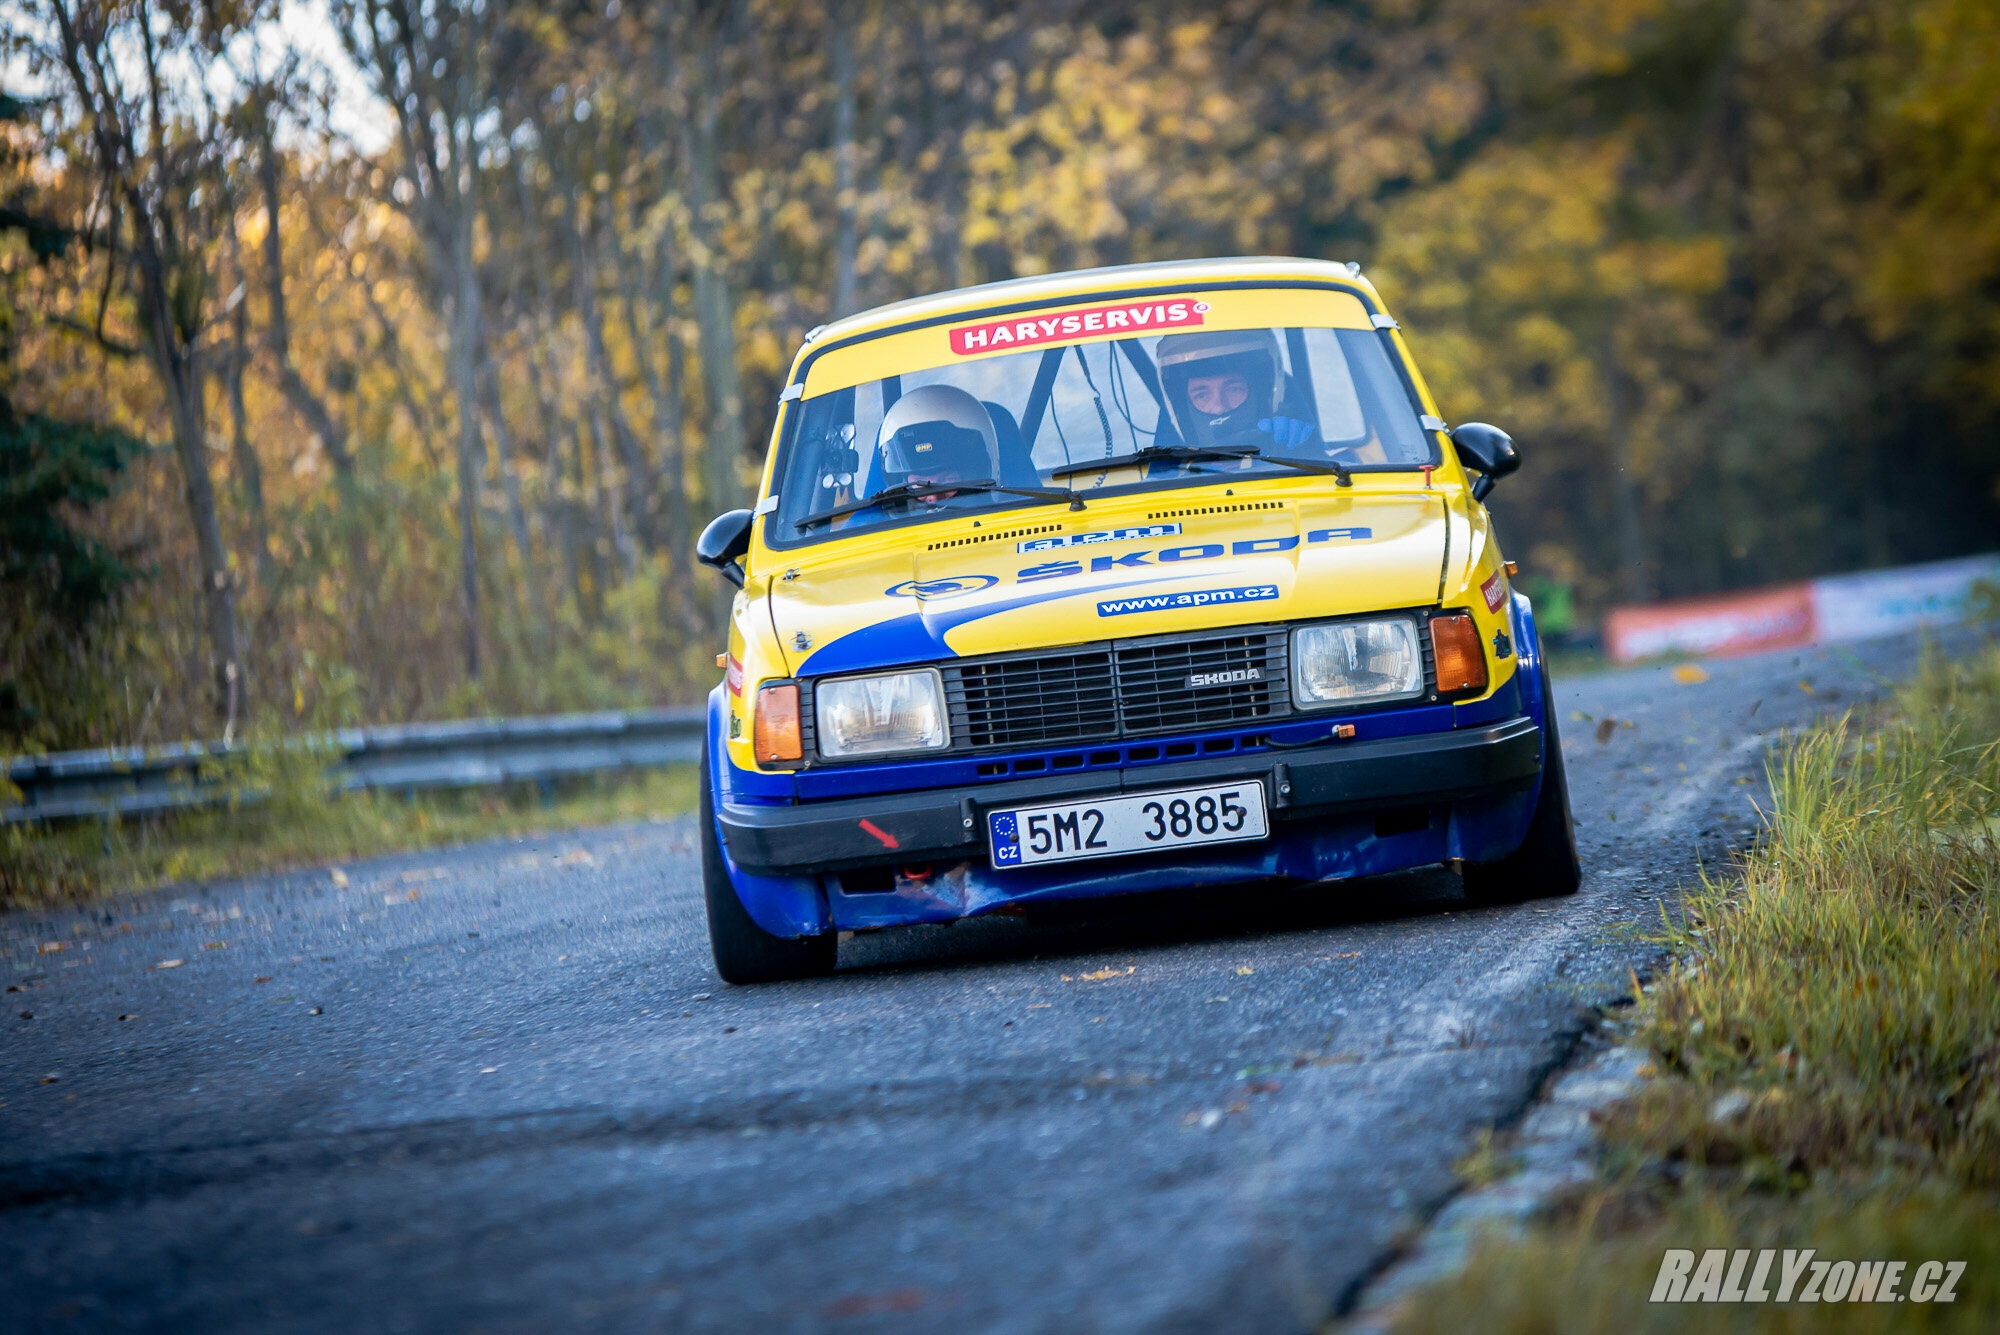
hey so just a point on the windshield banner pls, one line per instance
(1132, 318)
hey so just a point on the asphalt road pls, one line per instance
(500, 1089)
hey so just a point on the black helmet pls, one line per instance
(1249, 353)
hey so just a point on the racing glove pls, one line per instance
(1287, 431)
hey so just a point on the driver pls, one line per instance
(1224, 384)
(940, 434)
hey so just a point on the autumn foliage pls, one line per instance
(460, 374)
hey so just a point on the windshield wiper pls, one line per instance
(1190, 453)
(909, 491)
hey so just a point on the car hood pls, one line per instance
(1149, 567)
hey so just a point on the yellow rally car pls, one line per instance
(1112, 581)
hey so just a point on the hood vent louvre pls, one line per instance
(994, 537)
(1216, 509)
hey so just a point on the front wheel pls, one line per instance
(745, 952)
(1546, 863)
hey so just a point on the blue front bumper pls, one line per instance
(886, 845)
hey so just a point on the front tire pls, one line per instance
(745, 952)
(1545, 865)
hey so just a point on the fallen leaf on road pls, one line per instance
(50, 1079)
(1605, 727)
(169, 964)
(1807, 687)
(215, 945)
(1350, 955)
(1244, 969)
(1040, 1005)
(52, 947)
(336, 875)
(263, 979)
(1098, 976)
(1687, 674)
(874, 1304)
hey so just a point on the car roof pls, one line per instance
(1082, 282)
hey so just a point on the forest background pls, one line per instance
(301, 424)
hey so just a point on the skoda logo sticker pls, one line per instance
(926, 590)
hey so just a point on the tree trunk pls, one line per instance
(640, 489)
(715, 318)
(249, 471)
(319, 418)
(178, 365)
(715, 313)
(1628, 502)
(670, 499)
(465, 388)
(517, 515)
(840, 54)
(558, 503)
(170, 308)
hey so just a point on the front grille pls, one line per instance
(1202, 683)
(1120, 689)
(1022, 701)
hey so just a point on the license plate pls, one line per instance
(1102, 827)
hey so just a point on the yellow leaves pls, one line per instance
(1690, 674)
(1100, 975)
(1694, 266)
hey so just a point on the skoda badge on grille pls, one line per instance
(1231, 678)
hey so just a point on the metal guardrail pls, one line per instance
(132, 781)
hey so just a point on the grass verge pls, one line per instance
(300, 823)
(1826, 1053)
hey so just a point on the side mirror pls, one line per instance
(723, 543)
(1488, 451)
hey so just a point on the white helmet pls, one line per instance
(939, 427)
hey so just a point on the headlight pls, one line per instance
(1350, 662)
(866, 716)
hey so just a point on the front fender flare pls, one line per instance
(786, 906)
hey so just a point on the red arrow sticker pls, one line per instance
(888, 840)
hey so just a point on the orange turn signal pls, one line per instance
(775, 735)
(1461, 666)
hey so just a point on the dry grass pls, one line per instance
(1827, 1048)
(300, 824)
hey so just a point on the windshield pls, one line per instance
(1128, 412)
